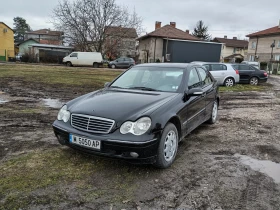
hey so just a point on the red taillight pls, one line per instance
(265, 74)
(237, 72)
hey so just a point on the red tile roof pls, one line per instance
(270, 31)
(46, 32)
(52, 42)
(170, 32)
(232, 42)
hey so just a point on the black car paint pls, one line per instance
(246, 72)
(186, 112)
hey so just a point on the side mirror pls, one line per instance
(194, 92)
(107, 84)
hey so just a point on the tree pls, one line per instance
(201, 31)
(84, 23)
(20, 28)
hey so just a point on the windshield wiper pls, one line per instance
(144, 88)
(117, 87)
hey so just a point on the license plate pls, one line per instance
(89, 143)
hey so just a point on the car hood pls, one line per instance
(120, 105)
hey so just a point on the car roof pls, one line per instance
(175, 65)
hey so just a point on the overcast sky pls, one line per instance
(223, 17)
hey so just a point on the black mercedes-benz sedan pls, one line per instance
(142, 115)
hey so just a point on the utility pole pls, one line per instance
(271, 57)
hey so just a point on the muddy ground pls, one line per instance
(234, 164)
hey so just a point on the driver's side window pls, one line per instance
(74, 55)
(194, 80)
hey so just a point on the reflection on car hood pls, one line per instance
(120, 105)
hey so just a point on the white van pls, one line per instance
(83, 59)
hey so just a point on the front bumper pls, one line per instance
(112, 148)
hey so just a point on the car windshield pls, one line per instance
(150, 79)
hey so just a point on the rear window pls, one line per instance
(244, 67)
(218, 67)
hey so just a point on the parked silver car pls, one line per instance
(224, 73)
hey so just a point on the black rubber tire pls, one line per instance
(230, 78)
(257, 80)
(160, 160)
(95, 65)
(113, 66)
(211, 120)
(69, 64)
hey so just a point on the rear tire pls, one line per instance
(214, 114)
(254, 81)
(229, 82)
(69, 64)
(168, 146)
(95, 65)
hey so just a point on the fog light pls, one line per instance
(134, 154)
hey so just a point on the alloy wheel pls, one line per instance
(229, 82)
(215, 111)
(254, 81)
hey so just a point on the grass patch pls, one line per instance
(59, 74)
(243, 87)
(51, 172)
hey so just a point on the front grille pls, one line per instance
(91, 123)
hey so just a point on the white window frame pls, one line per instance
(254, 45)
(278, 45)
(277, 57)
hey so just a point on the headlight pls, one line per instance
(63, 114)
(137, 128)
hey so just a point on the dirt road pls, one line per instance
(234, 164)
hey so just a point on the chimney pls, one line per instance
(235, 38)
(225, 37)
(188, 31)
(158, 25)
(173, 24)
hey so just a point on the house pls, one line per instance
(233, 50)
(49, 53)
(6, 42)
(46, 36)
(260, 45)
(24, 46)
(119, 42)
(170, 44)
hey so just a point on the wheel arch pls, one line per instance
(227, 77)
(176, 121)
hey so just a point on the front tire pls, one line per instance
(254, 81)
(113, 66)
(168, 146)
(69, 64)
(229, 82)
(95, 65)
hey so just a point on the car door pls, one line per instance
(209, 91)
(245, 73)
(195, 105)
(121, 62)
(73, 58)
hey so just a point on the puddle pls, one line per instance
(264, 166)
(53, 103)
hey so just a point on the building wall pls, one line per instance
(24, 46)
(6, 43)
(155, 48)
(263, 50)
(228, 51)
